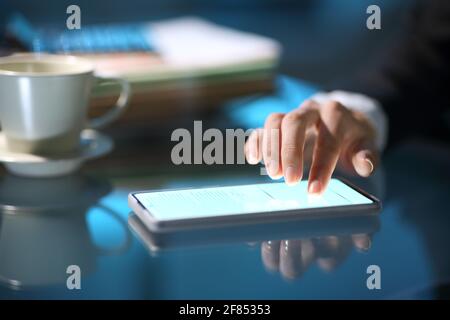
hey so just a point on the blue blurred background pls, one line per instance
(324, 41)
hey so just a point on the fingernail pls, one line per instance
(268, 168)
(371, 167)
(365, 167)
(291, 175)
(273, 168)
(254, 156)
(314, 187)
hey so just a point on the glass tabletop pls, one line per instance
(47, 225)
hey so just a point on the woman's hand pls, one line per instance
(324, 135)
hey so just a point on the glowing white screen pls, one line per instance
(267, 197)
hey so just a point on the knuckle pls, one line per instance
(274, 117)
(308, 104)
(334, 107)
(292, 118)
(312, 114)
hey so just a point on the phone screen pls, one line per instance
(245, 199)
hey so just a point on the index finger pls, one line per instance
(328, 146)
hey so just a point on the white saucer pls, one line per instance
(92, 145)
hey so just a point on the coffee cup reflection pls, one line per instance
(44, 229)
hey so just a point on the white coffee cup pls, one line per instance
(44, 99)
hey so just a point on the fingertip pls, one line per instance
(273, 170)
(290, 181)
(251, 159)
(276, 177)
(362, 242)
(292, 176)
(315, 187)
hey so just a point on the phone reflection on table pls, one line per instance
(288, 247)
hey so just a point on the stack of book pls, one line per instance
(173, 66)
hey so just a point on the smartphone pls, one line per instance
(165, 210)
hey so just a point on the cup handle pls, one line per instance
(118, 109)
(125, 245)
